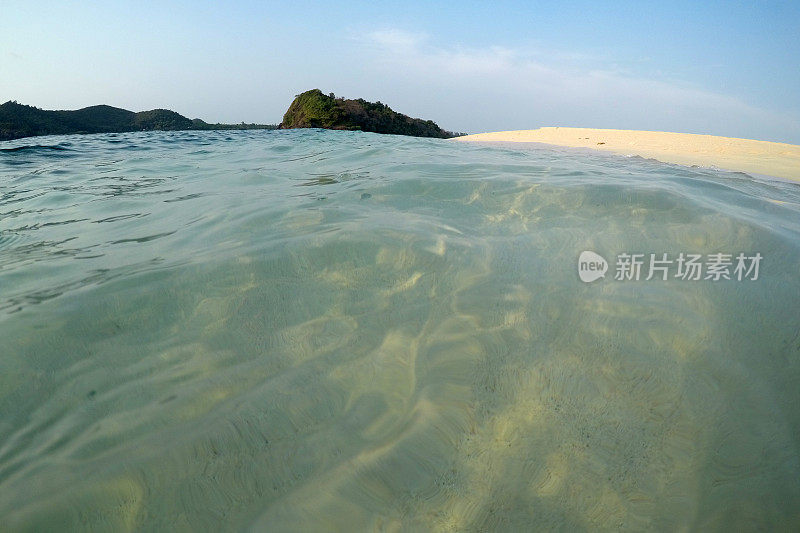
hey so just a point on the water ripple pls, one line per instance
(311, 330)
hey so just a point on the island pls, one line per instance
(311, 109)
(19, 120)
(315, 109)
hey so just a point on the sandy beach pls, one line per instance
(744, 155)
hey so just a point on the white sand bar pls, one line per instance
(744, 155)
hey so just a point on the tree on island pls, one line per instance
(313, 109)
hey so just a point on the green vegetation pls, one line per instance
(17, 120)
(161, 119)
(314, 109)
(200, 125)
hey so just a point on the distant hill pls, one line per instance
(314, 109)
(18, 120)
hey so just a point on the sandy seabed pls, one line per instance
(314, 330)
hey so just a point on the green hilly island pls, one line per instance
(18, 120)
(314, 109)
(311, 109)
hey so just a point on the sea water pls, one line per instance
(313, 330)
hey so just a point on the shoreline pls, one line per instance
(741, 155)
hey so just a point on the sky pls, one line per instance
(720, 68)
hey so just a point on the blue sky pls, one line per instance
(723, 68)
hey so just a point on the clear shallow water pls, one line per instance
(315, 330)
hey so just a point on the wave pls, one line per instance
(314, 330)
(35, 148)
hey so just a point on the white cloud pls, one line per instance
(526, 88)
(396, 41)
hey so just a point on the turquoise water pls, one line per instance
(310, 331)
